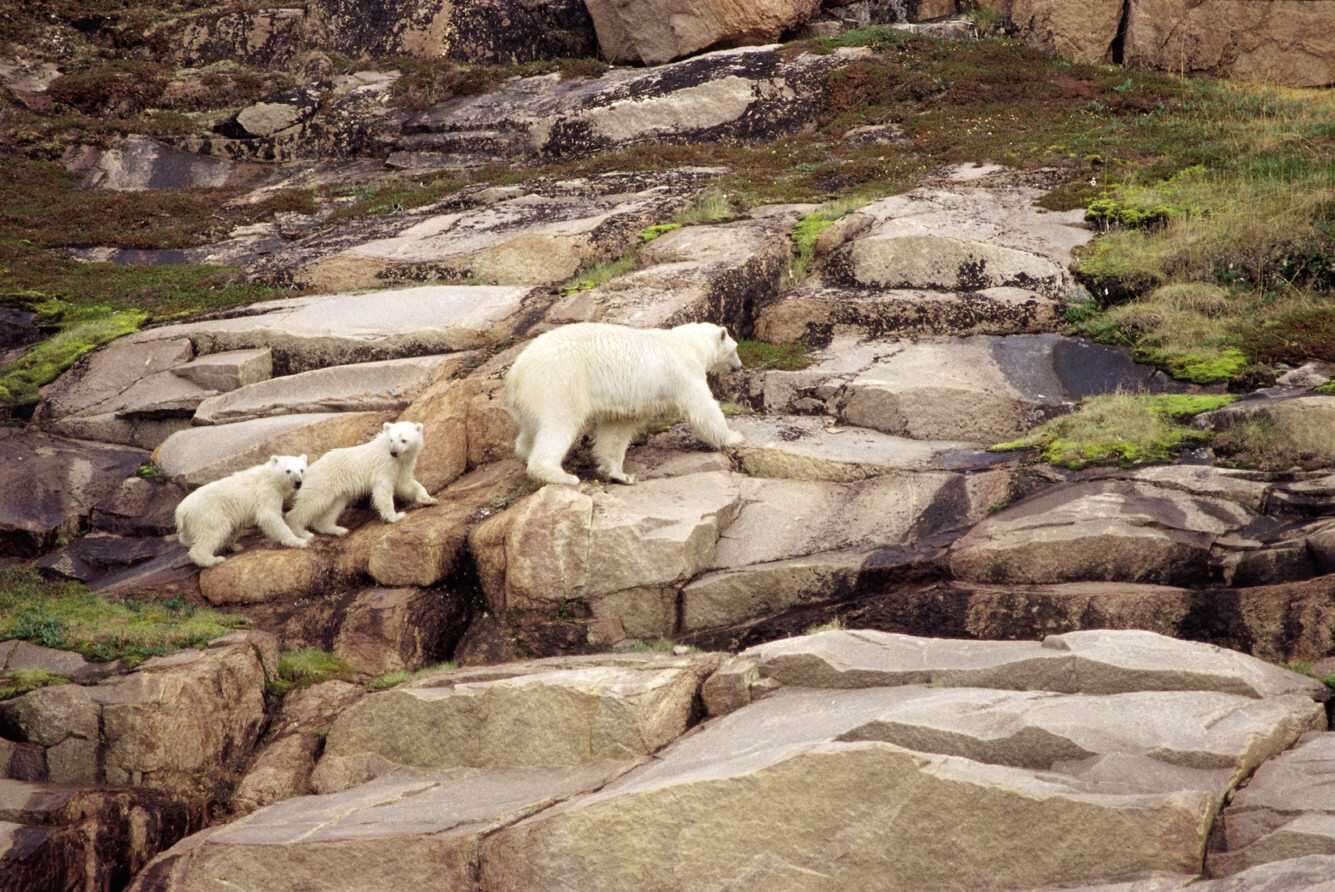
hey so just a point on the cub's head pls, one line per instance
(725, 352)
(404, 437)
(291, 468)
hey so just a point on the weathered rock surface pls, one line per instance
(229, 370)
(746, 93)
(365, 387)
(1084, 35)
(1284, 42)
(305, 333)
(50, 485)
(54, 838)
(392, 629)
(200, 454)
(137, 163)
(716, 273)
(1284, 811)
(565, 712)
(1114, 531)
(131, 729)
(397, 832)
(978, 389)
(655, 32)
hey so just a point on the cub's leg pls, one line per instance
(707, 419)
(382, 499)
(271, 523)
(550, 446)
(327, 521)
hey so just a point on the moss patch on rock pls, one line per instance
(18, 682)
(776, 357)
(1121, 429)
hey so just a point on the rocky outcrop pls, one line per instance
(660, 31)
(485, 31)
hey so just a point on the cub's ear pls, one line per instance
(722, 334)
(273, 459)
(419, 427)
(302, 458)
(384, 429)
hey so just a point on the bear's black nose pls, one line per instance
(297, 485)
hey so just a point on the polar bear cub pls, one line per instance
(616, 379)
(382, 468)
(213, 517)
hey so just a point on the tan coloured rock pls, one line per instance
(281, 771)
(229, 370)
(395, 833)
(719, 599)
(1091, 662)
(267, 118)
(260, 575)
(544, 714)
(391, 629)
(203, 454)
(562, 543)
(1115, 531)
(365, 387)
(941, 263)
(1284, 42)
(663, 30)
(1083, 34)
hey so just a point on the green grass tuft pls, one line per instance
(649, 233)
(307, 666)
(710, 206)
(17, 682)
(808, 230)
(394, 679)
(67, 616)
(777, 357)
(600, 274)
(1121, 429)
(833, 625)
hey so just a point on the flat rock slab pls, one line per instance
(553, 715)
(781, 519)
(137, 163)
(1114, 531)
(305, 333)
(201, 454)
(977, 389)
(229, 370)
(395, 833)
(50, 485)
(1088, 662)
(802, 447)
(714, 273)
(1285, 811)
(99, 383)
(366, 387)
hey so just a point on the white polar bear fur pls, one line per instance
(213, 517)
(382, 468)
(615, 379)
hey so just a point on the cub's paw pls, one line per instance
(395, 517)
(429, 500)
(734, 439)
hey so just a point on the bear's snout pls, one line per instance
(296, 484)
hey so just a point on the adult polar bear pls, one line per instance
(615, 378)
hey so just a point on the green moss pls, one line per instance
(1120, 429)
(878, 37)
(732, 410)
(779, 357)
(600, 274)
(17, 682)
(1200, 368)
(807, 231)
(1327, 388)
(710, 206)
(81, 331)
(394, 679)
(307, 666)
(649, 233)
(68, 617)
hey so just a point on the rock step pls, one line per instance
(1132, 739)
(816, 314)
(982, 389)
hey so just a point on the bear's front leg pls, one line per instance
(415, 494)
(707, 419)
(382, 499)
(271, 523)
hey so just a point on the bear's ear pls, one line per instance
(419, 427)
(302, 458)
(722, 334)
(385, 428)
(273, 459)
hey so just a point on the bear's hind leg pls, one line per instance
(272, 525)
(523, 443)
(204, 551)
(610, 442)
(549, 449)
(327, 522)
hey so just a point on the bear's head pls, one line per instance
(725, 352)
(403, 437)
(289, 469)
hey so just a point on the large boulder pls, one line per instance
(659, 31)
(555, 713)
(49, 486)
(1084, 34)
(131, 730)
(1114, 531)
(1287, 42)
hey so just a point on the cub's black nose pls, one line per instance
(297, 485)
